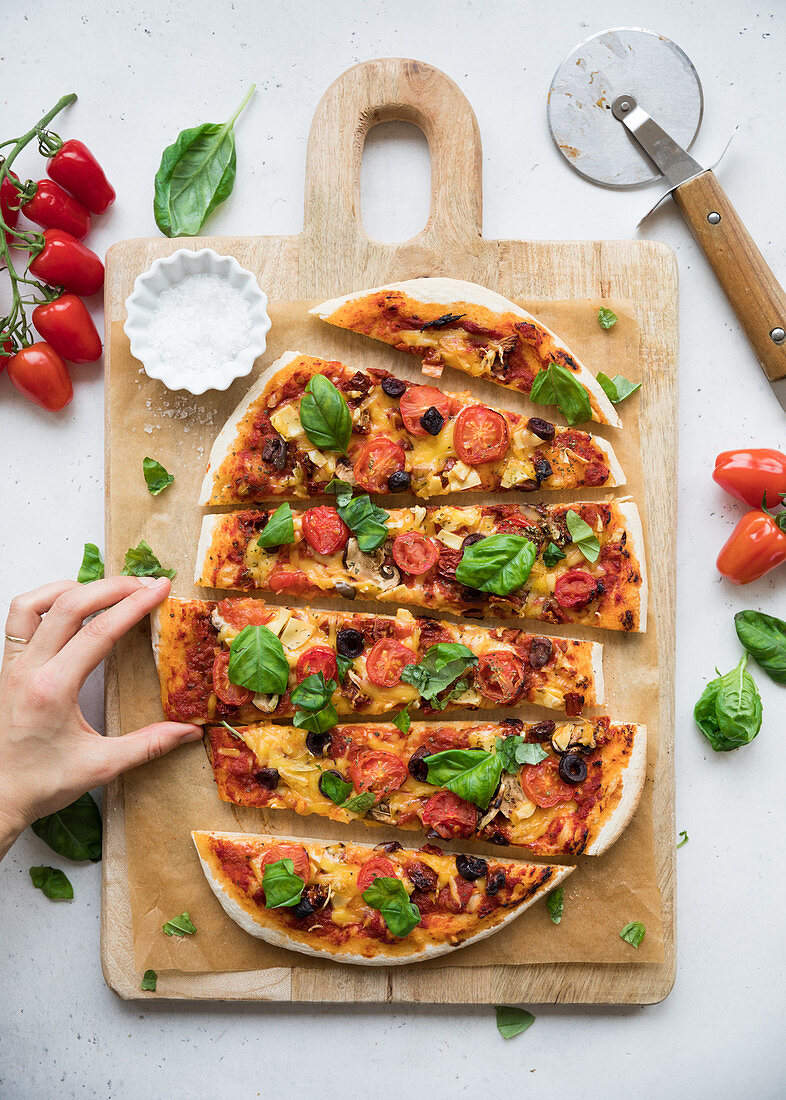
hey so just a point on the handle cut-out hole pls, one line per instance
(395, 182)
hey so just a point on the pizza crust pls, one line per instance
(209, 525)
(635, 543)
(632, 781)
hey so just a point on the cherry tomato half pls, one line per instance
(65, 261)
(575, 588)
(68, 327)
(414, 553)
(54, 208)
(376, 867)
(377, 771)
(244, 612)
(500, 676)
(75, 168)
(414, 403)
(296, 852)
(231, 694)
(324, 530)
(450, 816)
(293, 581)
(542, 784)
(386, 660)
(41, 375)
(375, 462)
(317, 659)
(480, 435)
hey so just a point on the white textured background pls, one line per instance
(144, 71)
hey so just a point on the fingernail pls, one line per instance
(193, 735)
(153, 582)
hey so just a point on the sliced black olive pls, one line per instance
(312, 898)
(541, 731)
(274, 452)
(267, 778)
(422, 877)
(540, 652)
(341, 589)
(528, 486)
(541, 428)
(335, 774)
(572, 768)
(470, 540)
(399, 481)
(432, 420)
(495, 882)
(498, 838)
(417, 766)
(543, 469)
(471, 867)
(316, 743)
(513, 723)
(388, 846)
(349, 643)
(393, 387)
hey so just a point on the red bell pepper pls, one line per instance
(54, 208)
(65, 261)
(75, 168)
(41, 375)
(756, 545)
(751, 473)
(68, 327)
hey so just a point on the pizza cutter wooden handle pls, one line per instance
(750, 286)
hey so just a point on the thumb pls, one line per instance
(133, 749)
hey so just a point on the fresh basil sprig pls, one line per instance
(257, 661)
(52, 882)
(390, 898)
(616, 388)
(441, 667)
(511, 1021)
(344, 665)
(156, 477)
(555, 903)
(366, 520)
(498, 564)
(402, 720)
(633, 933)
(279, 529)
(582, 536)
(313, 698)
(472, 774)
(74, 832)
(149, 981)
(764, 637)
(342, 490)
(334, 787)
(282, 886)
(514, 751)
(729, 710)
(180, 926)
(325, 415)
(360, 803)
(140, 561)
(558, 386)
(92, 567)
(552, 554)
(607, 318)
(196, 173)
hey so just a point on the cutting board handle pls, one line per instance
(385, 90)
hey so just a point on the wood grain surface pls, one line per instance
(332, 256)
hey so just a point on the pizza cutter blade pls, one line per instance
(624, 108)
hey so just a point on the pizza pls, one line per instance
(194, 641)
(371, 906)
(401, 437)
(576, 796)
(451, 323)
(418, 560)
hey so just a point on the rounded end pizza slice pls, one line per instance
(351, 903)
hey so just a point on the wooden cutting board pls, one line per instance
(331, 256)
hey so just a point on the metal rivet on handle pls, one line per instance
(714, 217)
(778, 335)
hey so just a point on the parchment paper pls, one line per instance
(168, 798)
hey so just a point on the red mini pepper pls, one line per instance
(756, 545)
(750, 473)
(41, 375)
(75, 168)
(54, 208)
(68, 327)
(65, 261)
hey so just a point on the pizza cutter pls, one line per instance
(624, 108)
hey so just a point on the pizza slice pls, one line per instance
(452, 323)
(556, 788)
(307, 421)
(374, 907)
(587, 562)
(240, 660)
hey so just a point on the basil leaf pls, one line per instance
(92, 567)
(342, 489)
(441, 666)
(514, 751)
(633, 933)
(685, 838)
(142, 562)
(552, 554)
(325, 416)
(156, 477)
(73, 832)
(616, 388)
(582, 536)
(555, 901)
(334, 787)
(498, 564)
(52, 882)
(314, 692)
(319, 721)
(344, 665)
(149, 981)
(279, 529)
(180, 926)
(281, 885)
(257, 661)
(512, 1021)
(360, 802)
(558, 386)
(196, 173)
(366, 520)
(764, 637)
(607, 317)
(472, 774)
(390, 898)
(729, 710)
(402, 721)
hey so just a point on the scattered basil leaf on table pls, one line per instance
(555, 903)
(616, 388)
(344, 665)
(582, 536)
(366, 520)
(281, 885)
(514, 751)
(232, 730)
(52, 882)
(764, 637)
(342, 490)
(402, 720)
(685, 838)
(441, 667)
(149, 981)
(73, 832)
(729, 710)
(558, 386)
(140, 561)
(197, 172)
(325, 415)
(607, 317)
(334, 787)
(472, 774)
(512, 1021)
(633, 933)
(92, 567)
(257, 661)
(552, 554)
(279, 529)
(156, 477)
(389, 897)
(360, 803)
(180, 926)
(498, 564)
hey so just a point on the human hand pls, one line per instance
(50, 754)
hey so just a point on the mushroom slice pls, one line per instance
(381, 812)
(370, 569)
(266, 703)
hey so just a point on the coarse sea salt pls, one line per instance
(201, 322)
